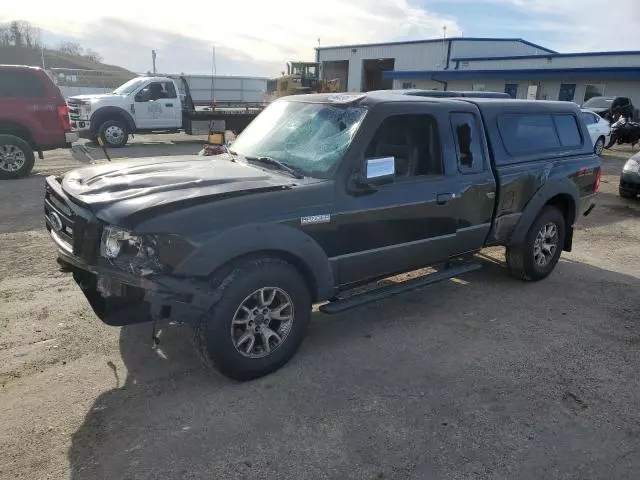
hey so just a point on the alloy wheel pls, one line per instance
(546, 244)
(262, 322)
(599, 146)
(12, 158)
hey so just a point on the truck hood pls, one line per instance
(118, 190)
(94, 97)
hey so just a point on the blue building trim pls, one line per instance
(551, 55)
(434, 40)
(612, 73)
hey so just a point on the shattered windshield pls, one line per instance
(310, 137)
(129, 87)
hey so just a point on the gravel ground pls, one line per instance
(483, 377)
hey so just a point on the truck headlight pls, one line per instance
(632, 166)
(113, 241)
(86, 109)
(133, 253)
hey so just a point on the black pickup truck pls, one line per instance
(321, 194)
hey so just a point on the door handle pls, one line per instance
(444, 198)
(168, 104)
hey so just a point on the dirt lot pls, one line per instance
(486, 377)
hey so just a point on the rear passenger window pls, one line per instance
(568, 130)
(528, 133)
(412, 140)
(20, 84)
(468, 145)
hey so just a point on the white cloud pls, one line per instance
(272, 31)
(583, 25)
(259, 36)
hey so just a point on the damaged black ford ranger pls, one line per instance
(318, 195)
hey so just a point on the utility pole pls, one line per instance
(153, 59)
(444, 46)
(214, 70)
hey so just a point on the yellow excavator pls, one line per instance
(301, 78)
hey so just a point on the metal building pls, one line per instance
(514, 66)
(361, 67)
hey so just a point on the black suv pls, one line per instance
(321, 194)
(610, 107)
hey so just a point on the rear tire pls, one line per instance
(244, 335)
(16, 157)
(536, 257)
(626, 193)
(114, 133)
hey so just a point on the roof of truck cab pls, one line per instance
(507, 105)
(368, 99)
(376, 97)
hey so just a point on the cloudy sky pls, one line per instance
(257, 37)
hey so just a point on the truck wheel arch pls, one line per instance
(17, 129)
(111, 113)
(248, 242)
(561, 194)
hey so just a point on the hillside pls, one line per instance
(79, 71)
(26, 56)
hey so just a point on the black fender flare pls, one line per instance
(98, 117)
(276, 239)
(563, 187)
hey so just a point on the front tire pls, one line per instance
(538, 255)
(259, 322)
(599, 146)
(16, 157)
(114, 133)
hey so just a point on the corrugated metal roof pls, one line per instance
(457, 39)
(529, 74)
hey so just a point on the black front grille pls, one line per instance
(80, 233)
(58, 214)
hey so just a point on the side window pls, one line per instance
(568, 130)
(158, 90)
(20, 84)
(414, 143)
(170, 90)
(528, 133)
(468, 144)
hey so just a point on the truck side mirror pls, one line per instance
(378, 171)
(143, 95)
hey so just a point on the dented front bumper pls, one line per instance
(120, 298)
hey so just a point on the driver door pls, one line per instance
(408, 223)
(157, 107)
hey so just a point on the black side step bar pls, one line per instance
(358, 300)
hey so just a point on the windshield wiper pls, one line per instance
(283, 166)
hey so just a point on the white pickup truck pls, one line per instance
(154, 105)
